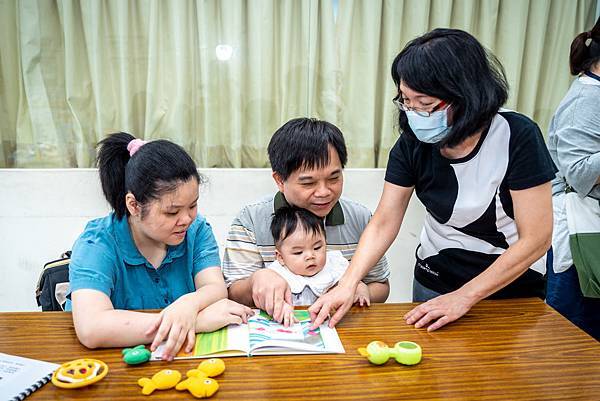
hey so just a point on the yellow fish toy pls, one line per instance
(163, 380)
(199, 387)
(210, 368)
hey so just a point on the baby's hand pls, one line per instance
(361, 296)
(288, 315)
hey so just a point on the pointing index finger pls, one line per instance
(321, 317)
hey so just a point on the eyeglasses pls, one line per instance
(398, 101)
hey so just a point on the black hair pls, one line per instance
(304, 143)
(584, 56)
(155, 169)
(453, 66)
(287, 219)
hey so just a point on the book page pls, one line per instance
(231, 340)
(268, 337)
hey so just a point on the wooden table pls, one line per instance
(502, 350)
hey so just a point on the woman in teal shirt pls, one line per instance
(152, 252)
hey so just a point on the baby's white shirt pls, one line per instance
(306, 289)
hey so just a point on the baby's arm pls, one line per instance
(362, 296)
(379, 291)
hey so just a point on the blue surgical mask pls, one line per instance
(432, 129)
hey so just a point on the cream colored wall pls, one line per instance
(43, 211)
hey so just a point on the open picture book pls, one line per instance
(264, 336)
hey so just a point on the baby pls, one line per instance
(303, 261)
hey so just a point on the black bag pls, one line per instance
(53, 284)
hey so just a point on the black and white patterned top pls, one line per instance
(470, 220)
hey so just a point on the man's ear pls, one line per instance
(278, 181)
(132, 205)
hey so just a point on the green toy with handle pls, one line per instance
(404, 352)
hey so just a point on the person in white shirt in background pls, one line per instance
(574, 145)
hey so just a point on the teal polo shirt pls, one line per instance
(105, 258)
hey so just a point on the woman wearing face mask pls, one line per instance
(482, 174)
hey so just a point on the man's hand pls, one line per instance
(270, 292)
(288, 315)
(340, 298)
(440, 311)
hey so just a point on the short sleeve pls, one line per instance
(529, 162)
(206, 249)
(92, 266)
(400, 167)
(241, 257)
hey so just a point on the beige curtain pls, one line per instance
(219, 76)
(531, 39)
(75, 71)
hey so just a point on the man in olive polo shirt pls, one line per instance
(307, 158)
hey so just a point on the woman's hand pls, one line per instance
(221, 314)
(176, 325)
(533, 217)
(362, 296)
(440, 311)
(339, 299)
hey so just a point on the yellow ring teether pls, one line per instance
(79, 373)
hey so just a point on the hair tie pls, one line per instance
(135, 145)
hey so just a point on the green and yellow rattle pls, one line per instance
(404, 352)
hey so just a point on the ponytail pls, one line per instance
(112, 161)
(147, 170)
(585, 55)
